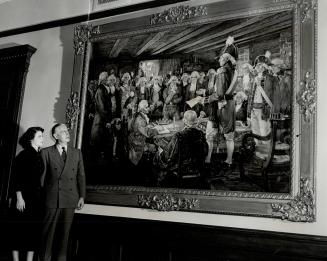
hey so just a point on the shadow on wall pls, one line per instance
(66, 37)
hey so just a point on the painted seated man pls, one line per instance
(139, 132)
(141, 148)
(185, 154)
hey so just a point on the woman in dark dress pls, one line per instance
(26, 202)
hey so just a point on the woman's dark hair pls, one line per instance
(28, 136)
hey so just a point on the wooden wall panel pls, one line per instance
(110, 238)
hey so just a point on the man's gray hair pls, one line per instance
(190, 118)
(142, 105)
(102, 77)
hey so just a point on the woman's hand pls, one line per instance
(20, 205)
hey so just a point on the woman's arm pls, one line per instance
(19, 170)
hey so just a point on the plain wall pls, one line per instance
(47, 90)
(21, 13)
(49, 78)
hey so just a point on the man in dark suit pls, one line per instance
(63, 183)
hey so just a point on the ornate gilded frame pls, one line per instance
(299, 204)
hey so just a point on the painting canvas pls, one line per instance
(190, 102)
(146, 64)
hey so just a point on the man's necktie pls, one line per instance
(64, 154)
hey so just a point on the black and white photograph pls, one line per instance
(163, 130)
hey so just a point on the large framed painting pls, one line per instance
(200, 107)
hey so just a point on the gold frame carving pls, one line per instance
(167, 202)
(72, 110)
(178, 14)
(307, 97)
(301, 208)
(307, 7)
(82, 33)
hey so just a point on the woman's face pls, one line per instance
(37, 141)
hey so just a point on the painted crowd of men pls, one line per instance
(123, 108)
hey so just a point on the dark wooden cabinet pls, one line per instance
(14, 64)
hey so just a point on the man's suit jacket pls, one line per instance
(63, 183)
